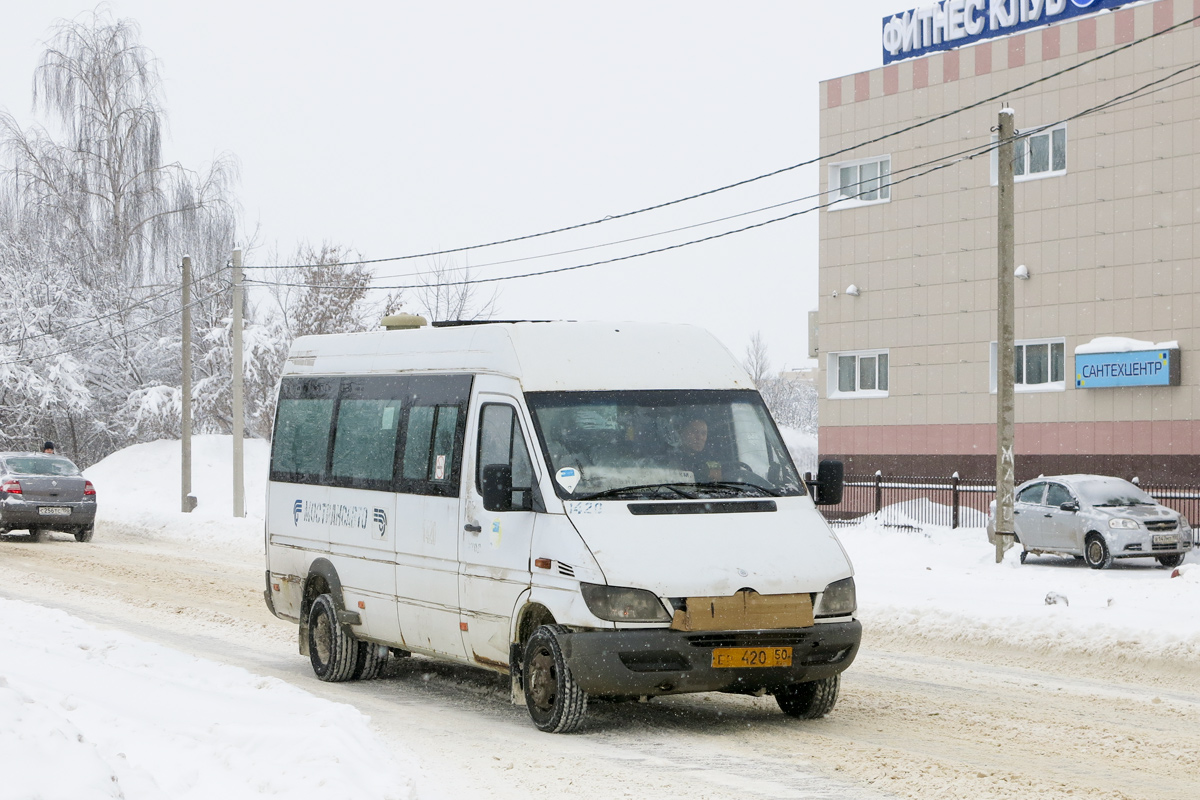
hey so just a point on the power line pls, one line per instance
(937, 165)
(763, 176)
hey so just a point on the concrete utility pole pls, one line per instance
(239, 484)
(1005, 337)
(186, 500)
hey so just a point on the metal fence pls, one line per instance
(910, 501)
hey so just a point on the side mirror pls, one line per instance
(1070, 505)
(830, 478)
(497, 487)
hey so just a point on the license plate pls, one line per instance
(1164, 538)
(730, 657)
(54, 511)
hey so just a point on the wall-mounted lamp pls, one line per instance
(1022, 272)
(852, 290)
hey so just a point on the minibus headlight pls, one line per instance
(838, 599)
(619, 604)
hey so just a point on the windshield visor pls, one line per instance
(665, 443)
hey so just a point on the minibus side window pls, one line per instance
(434, 432)
(368, 419)
(300, 444)
(500, 442)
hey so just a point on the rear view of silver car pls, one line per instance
(1097, 519)
(42, 492)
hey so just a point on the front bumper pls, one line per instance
(658, 661)
(22, 515)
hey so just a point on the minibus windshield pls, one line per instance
(662, 444)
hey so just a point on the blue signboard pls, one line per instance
(1137, 368)
(948, 24)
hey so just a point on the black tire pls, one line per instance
(811, 699)
(85, 534)
(1172, 560)
(36, 534)
(1096, 553)
(332, 649)
(369, 661)
(556, 703)
(1024, 555)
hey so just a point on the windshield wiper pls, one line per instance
(739, 487)
(651, 489)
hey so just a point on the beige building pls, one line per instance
(1106, 232)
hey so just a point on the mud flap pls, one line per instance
(516, 662)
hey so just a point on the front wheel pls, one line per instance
(556, 703)
(1096, 552)
(1172, 560)
(811, 699)
(331, 648)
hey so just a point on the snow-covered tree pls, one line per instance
(93, 223)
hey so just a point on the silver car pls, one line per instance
(41, 492)
(1096, 518)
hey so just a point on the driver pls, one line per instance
(694, 455)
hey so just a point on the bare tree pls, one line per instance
(757, 363)
(792, 401)
(448, 293)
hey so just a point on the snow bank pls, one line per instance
(945, 583)
(91, 714)
(140, 486)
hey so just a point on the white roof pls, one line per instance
(543, 356)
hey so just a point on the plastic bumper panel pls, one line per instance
(658, 661)
(20, 517)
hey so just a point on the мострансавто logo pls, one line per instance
(381, 521)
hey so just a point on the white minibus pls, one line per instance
(595, 509)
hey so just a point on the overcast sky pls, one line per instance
(399, 128)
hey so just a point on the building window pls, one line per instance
(1039, 365)
(861, 374)
(1042, 154)
(859, 183)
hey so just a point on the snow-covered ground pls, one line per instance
(87, 713)
(946, 583)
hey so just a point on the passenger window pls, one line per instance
(1032, 494)
(429, 452)
(364, 445)
(501, 443)
(1057, 494)
(434, 432)
(300, 444)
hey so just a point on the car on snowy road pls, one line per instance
(1095, 518)
(41, 492)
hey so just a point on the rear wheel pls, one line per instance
(555, 702)
(36, 534)
(1172, 560)
(1096, 553)
(331, 647)
(85, 534)
(370, 660)
(811, 699)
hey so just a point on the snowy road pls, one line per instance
(917, 718)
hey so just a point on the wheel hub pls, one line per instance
(543, 683)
